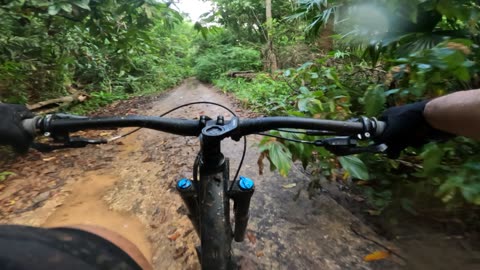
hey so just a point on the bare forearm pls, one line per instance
(457, 113)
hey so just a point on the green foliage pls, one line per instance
(218, 61)
(278, 155)
(218, 54)
(464, 184)
(374, 100)
(338, 87)
(263, 94)
(312, 90)
(116, 46)
(318, 13)
(320, 94)
(447, 170)
(385, 53)
(391, 28)
(97, 100)
(453, 169)
(449, 65)
(355, 167)
(246, 18)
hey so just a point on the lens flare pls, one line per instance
(365, 19)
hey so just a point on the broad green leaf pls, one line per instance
(391, 92)
(296, 113)
(374, 100)
(317, 108)
(424, 67)
(450, 184)
(331, 106)
(53, 10)
(66, 7)
(304, 90)
(281, 157)
(305, 66)
(462, 74)
(355, 167)
(82, 4)
(303, 104)
(432, 157)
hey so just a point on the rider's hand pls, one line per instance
(406, 126)
(11, 130)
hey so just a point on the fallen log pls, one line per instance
(56, 104)
(249, 75)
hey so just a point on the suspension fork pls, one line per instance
(209, 202)
(214, 211)
(210, 163)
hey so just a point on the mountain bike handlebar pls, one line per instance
(235, 128)
(65, 123)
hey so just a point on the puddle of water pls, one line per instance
(86, 206)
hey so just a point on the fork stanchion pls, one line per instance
(188, 192)
(241, 193)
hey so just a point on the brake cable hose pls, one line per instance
(286, 139)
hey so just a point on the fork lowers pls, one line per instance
(188, 193)
(241, 193)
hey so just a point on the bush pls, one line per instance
(437, 175)
(263, 94)
(216, 61)
(47, 48)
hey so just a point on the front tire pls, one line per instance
(215, 228)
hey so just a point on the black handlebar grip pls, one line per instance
(381, 125)
(30, 125)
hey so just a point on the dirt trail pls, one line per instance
(86, 206)
(129, 187)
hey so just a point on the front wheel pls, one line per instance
(215, 228)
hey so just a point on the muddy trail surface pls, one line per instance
(129, 187)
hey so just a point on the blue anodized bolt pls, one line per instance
(184, 183)
(246, 183)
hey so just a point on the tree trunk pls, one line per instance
(271, 57)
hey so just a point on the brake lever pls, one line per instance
(337, 142)
(344, 146)
(345, 151)
(72, 142)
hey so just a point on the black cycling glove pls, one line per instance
(406, 126)
(11, 130)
